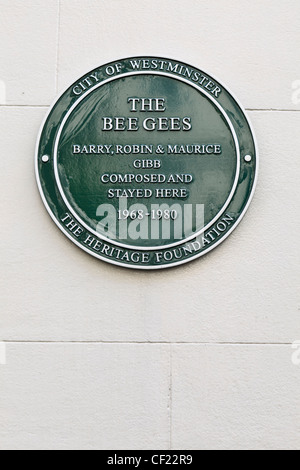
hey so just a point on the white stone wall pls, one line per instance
(196, 357)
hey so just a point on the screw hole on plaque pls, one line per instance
(248, 158)
(45, 158)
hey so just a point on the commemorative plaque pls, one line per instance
(146, 163)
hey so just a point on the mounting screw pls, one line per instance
(248, 158)
(45, 158)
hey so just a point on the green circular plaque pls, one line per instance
(146, 163)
